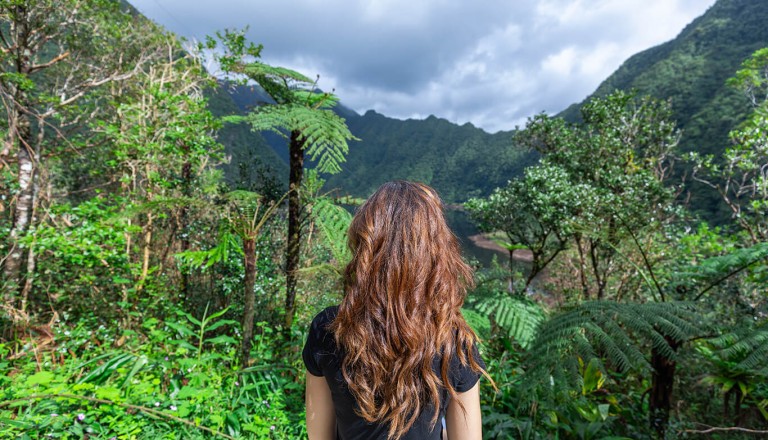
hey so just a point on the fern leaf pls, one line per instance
(518, 316)
(333, 220)
(612, 334)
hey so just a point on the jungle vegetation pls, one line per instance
(161, 263)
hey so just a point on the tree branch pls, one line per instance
(725, 429)
(50, 63)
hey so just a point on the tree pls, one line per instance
(162, 146)
(620, 157)
(534, 212)
(54, 55)
(243, 216)
(304, 116)
(740, 176)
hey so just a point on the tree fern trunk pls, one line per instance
(249, 299)
(662, 383)
(296, 164)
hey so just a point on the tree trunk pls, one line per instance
(510, 283)
(186, 179)
(146, 251)
(662, 381)
(249, 300)
(25, 201)
(582, 268)
(296, 163)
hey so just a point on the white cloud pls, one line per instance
(490, 62)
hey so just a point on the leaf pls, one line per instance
(223, 339)
(603, 409)
(40, 378)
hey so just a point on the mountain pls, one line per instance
(691, 71)
(465, 161)
(459, 161)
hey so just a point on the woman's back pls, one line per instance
(397, 349)
(323, 358)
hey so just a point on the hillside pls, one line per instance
(691, 71)
(459, 161)
(434, 151)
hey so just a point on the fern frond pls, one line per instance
(709, 273)
(333, 220)
(617, 335)
(518, 316)
(323, 133)
(747, 345)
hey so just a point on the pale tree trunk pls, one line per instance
(146, 251)
(25, 200)
(249, 249)
(582, 268)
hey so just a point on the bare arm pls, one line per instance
(465, 427)
(321, 418)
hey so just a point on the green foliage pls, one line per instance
(615, 334)
(151, 388)
(334, 221)
(518, 316)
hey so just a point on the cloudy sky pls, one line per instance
(493, 63)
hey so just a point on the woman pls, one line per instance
(396, 356)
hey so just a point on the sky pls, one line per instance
(493, 63)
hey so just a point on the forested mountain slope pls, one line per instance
(250, 157)
(692, 69)
(459, 161)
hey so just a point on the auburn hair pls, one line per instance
(404, 289)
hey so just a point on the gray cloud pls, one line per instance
(490, 62)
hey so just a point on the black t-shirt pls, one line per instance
(322, 358)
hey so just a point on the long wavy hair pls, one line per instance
(404, 289)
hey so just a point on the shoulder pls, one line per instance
(318, 329)
(324, 318)
(320, 343)
(462, 375)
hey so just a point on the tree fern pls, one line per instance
(616, 334)
(748, 345)
(323, 132)
(709, 273)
